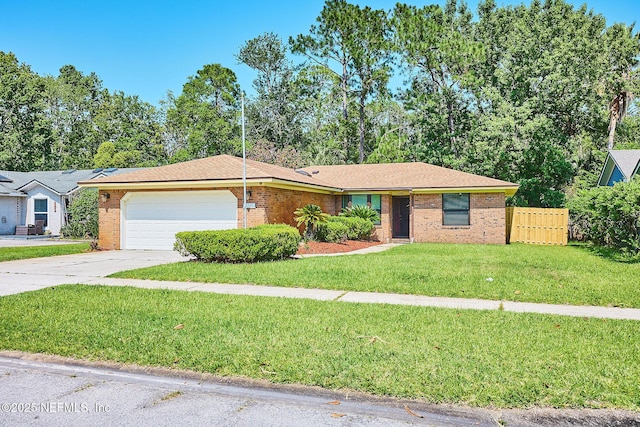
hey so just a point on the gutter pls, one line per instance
(156, 185)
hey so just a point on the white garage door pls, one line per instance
(150, 220)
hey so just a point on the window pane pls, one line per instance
(455, 201)
(40, 205)
(42, 217)
(345, 201)
(359, 200)
(455, 209)
(375, 202)
(456, 218)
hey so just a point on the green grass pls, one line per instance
(557, 275)
(14, 253)
(479, 358)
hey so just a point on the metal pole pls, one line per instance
(244, 170)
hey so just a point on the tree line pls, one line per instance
(532, 94)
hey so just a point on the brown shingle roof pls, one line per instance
(400, 176)
(222, 167)
(387, 176)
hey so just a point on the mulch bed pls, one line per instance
(312, 247)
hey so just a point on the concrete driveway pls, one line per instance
(37, 273)
(14, 241)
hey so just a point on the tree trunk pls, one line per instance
(451, 125)
(613, 122)
(617, 111)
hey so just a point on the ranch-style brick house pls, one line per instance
(416, 201)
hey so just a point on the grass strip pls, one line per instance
(15, 253)
(517, 272)
(478, 358)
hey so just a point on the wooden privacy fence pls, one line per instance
(538, 226)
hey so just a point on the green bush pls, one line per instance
(609, 216)
(332, 232)
(83, 215)
(359, 228)
(262, 243)
(356, 229)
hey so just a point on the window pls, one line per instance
(371, 200)
(40, 210)
(455, 209)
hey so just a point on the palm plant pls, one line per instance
(361, 211)
(310, 216)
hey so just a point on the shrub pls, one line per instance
(83, 215)
(262, 243)
(609, 216)
(310, 216)
(332, 232)
(356, 229)
(364, 212)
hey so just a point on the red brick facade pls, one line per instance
(273, 206)
(486, 217)
(276, 205)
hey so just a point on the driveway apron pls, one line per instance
(37, 273)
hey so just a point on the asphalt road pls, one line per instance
(59, 394)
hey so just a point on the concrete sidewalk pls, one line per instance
(92, 268)
(379, 298)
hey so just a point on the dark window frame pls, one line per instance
(450, 215)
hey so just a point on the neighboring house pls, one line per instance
(26, 197)
(417, 201)
(621, 165)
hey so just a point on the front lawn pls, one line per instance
(479, 358)
(517, 272)
(25, 252)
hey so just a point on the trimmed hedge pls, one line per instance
(267, 242)
(333, 230)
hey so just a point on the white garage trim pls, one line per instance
(150, 220)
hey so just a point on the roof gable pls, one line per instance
(625, 162)
(59, 182)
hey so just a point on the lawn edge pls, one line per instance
(534, 415)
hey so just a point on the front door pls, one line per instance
(400, 217)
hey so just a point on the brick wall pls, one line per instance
(486, 215)
(109, 220)
(384, 230)
(273, 205)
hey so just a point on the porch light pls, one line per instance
(104, 197)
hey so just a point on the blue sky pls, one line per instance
(146, 47)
